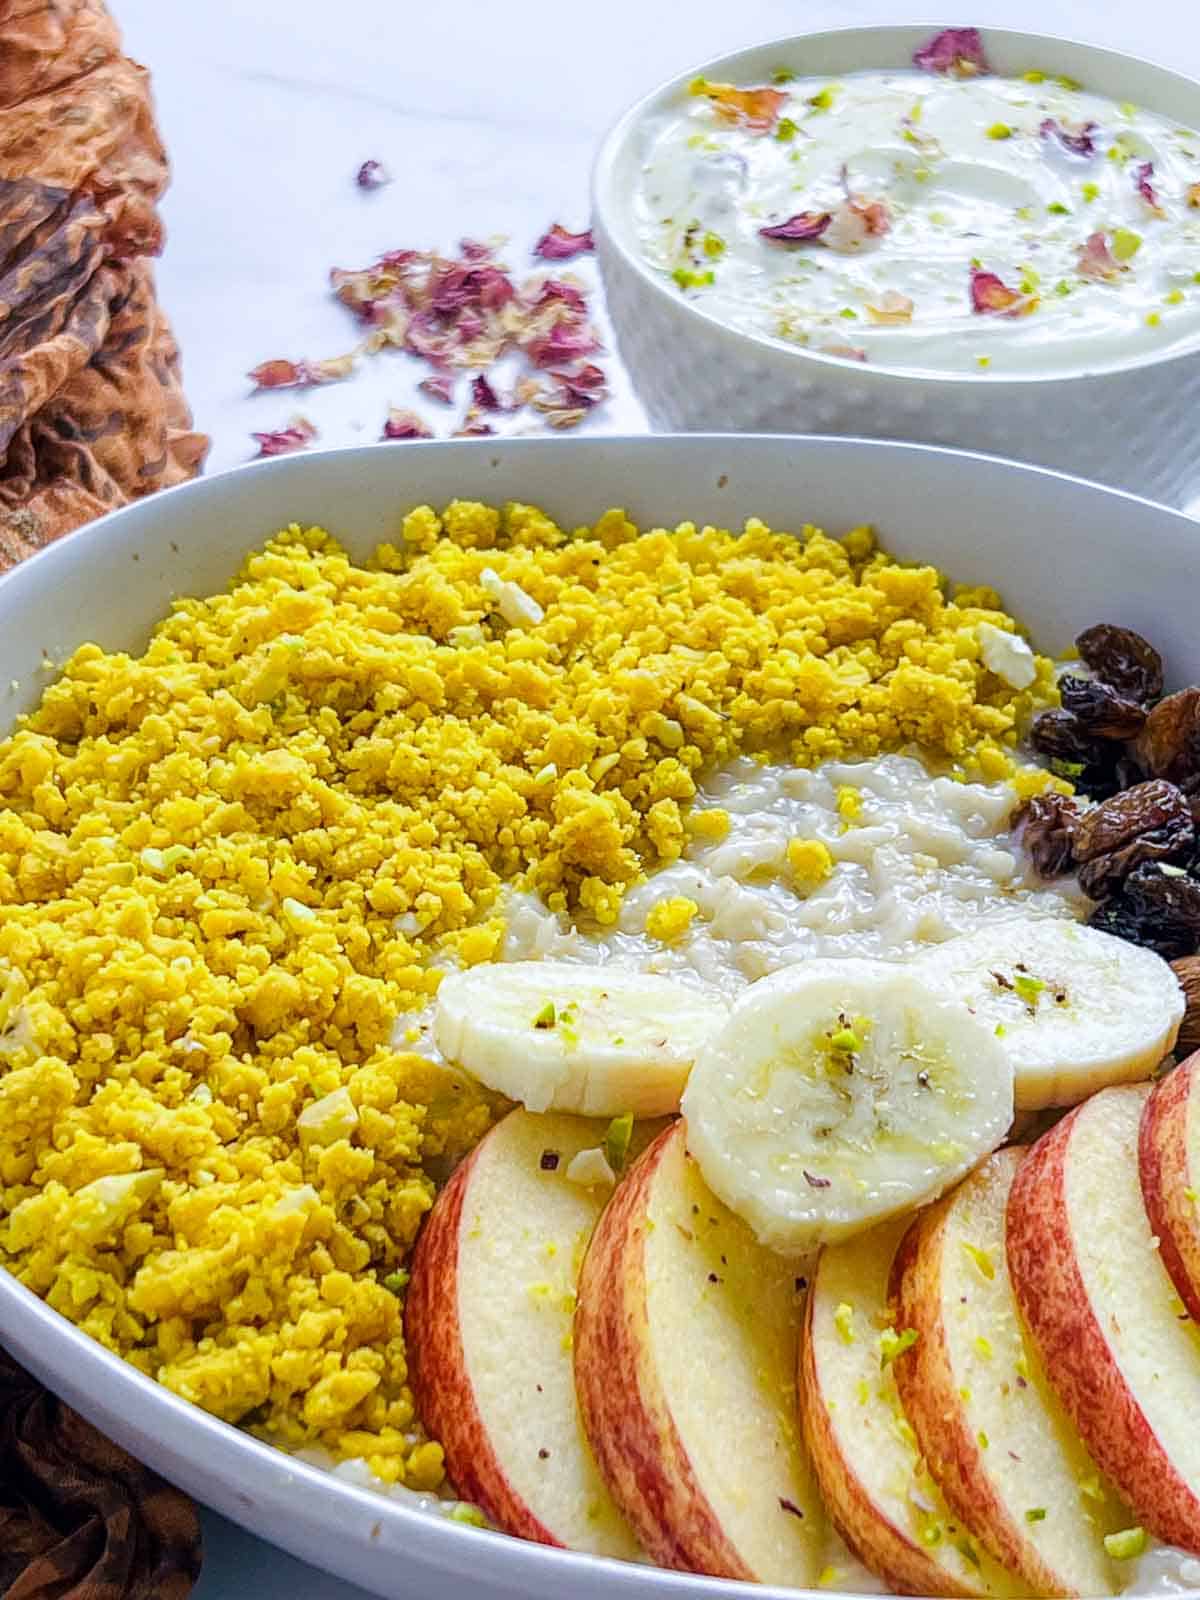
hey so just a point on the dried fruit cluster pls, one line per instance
(1137, 756)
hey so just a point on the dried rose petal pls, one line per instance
(1096, 260)
(803, 226)
(958, 51)
(560, 244)
(562, 289)
(1143, 176)
(438, 387)
(563, 342)
(474, 249)
(372, 175)
(990, 295)
(892, 308)
(756, 110)
(454, 287)
(298, 435)
(848, 352)
(857, 222)
(484, 396)
(282, 374)
(404, 424)
(473, 427)
(1078, 139)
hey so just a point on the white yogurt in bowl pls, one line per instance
(1004, 259)
(950, 221)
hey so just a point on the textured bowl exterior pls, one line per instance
(1062, 552)
(1132, 426)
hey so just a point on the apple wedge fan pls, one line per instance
(912, 1282)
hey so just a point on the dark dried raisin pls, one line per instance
(1169, 744)
(1122, 659)
(1101, 712)
(1158, 907)
(1154, 807)
(1047, 824)
(1090, 764)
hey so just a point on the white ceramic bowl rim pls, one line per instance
(606, 201)
(81, 578)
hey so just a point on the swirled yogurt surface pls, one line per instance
(945, 219)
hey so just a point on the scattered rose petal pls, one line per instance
(756, 110)
(803, 226)
(372, 175)
(1193, 195)
(475, 249)
(892, 308)
(990, 295)
(1078, 137)
(1143, 182)
(848, 352)
(298, 435)
(301, 374)
(473, 427)
(439, 387)
(404, 424)
(562, 289)
(855, 223)
(525, 390)
(454, 287)
(957, 51)
(568, 396)
(560, 244)
(564, 341)
(1096, 260)
(484, 397)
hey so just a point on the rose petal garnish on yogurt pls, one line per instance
(790, 211)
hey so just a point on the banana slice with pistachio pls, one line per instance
(560, 1036)
(841, 1092)
(1075, 1008)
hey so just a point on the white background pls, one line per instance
(487, 112)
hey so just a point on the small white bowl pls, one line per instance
(1063, 554)
(1130, 423)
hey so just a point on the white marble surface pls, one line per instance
(487, 113)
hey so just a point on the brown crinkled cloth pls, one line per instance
(80, 1519)
(91, 409)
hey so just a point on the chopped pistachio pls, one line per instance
(1128, 109)
(1069, 84)
(1090, 192)
(843, 1321)
(1036, 1514)
(983, 361)
(1025, 213)
(1127, 1544)
(786, 130)
(1057, 209)
(847, 312)
(981, 1259)
(1175, 298)
(782, 75)
(1062, 287)
(823, 99)
(1000, 130)
(845, 1039)
(1028, 988)
(714, 245)
(617, 1141)
(1091, 1488)
(893, 1344)
(1034, 76)
(1125, 243)
(984, 1441)
(863, 1391)
(698, 86)
(546, 1017)
(1000, 1030)
(983, 1348)
(396, 1281)
(921, 174)
(931, 1534)
(471, 1515)
(689, 278)
(1153, 319)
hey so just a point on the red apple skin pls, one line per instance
(1075, 1352)
(1167, 1177)
(927, 1385)
(438, 1373)
(625, 1412)
(877, 1542)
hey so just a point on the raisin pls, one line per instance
(1090, 764)
(1169, 744)
(1101, 712)
(1157, 907)
(1150, 822)
(1123, 660)
(1047, 823)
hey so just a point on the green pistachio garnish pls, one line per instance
(782, 75)
(689, 278)
(1000, 130)
(1091, 191)
(714, 245)
(1036, 1514)
(1127, 1544)
(546, 1017)
(1057, 209)
(617, 1140)
(1125, 243)
(786, 131)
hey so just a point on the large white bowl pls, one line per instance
(1063, 553)
(1131, 424)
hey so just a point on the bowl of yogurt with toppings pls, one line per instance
(977, 237)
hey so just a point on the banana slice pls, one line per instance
(1075, 1009)
(840, 1093)
(562, 1037)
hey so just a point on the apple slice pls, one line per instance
(1114, 1338)
(488, 1323)
(993, 1433)
(1169, 1160)
(877, 1491)
(685, 1363)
